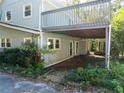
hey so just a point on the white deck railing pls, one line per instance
(96, 13)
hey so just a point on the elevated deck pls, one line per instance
(87, 16)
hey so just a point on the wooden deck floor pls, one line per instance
(79, 61)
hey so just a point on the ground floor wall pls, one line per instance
(16, 37)
(64, 52)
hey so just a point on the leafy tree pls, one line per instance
(116, 5)
(118, 32)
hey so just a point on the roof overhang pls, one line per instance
(86, 34)
(80, 31)
(28, 30)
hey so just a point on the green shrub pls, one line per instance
(1, 57)
(24, 61)
(117, 70)
(25, 56)
(86, 74)
(111, 79)
(39, 68)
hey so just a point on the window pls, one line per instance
(27, 11)
(76, 47)
(5, 42)
(50, 43)
(71, 48)
(8, 42)
(8, 16)
(57, 43)
(27, 40)
(53, 43)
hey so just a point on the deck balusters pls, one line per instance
(90, 14)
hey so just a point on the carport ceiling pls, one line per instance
(87, 33)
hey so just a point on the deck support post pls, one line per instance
(107, 48)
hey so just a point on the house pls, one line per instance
(66, 30)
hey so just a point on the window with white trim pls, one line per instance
(8, 16)
(8, 42)
(53, 43)
(27, 11)
(27, 40)
(5, 43)
(57, 43)
(50, 43)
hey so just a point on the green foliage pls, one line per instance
(25, 61)
(111, 79)
(118, 33)
(116, 5)
(39, 68)
(86, 74)
(93, 46)
(28, 54)
(117, 70)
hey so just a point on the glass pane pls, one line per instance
(2, 44)
(57, 45)
(28, 10)
(71, 45)
(77, 45)
(8, 40)
(8, 44)
(27, 13)
(3, 40)
(8, 15)
(71, 48)
(50, 44)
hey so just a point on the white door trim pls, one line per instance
(75, 47)
(71, 41)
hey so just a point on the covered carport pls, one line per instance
(91, 20)
(91, 33)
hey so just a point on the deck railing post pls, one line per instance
(107, 50)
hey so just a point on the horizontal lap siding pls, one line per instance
(63, 53)
(16, 36)
(16, 6)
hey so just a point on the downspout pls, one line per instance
(40, 39)
(0, 13)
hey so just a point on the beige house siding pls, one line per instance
(63, 53)
(16, 36)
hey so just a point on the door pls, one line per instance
(71, 48)
(76, 48)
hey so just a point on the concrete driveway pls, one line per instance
(8, 84)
